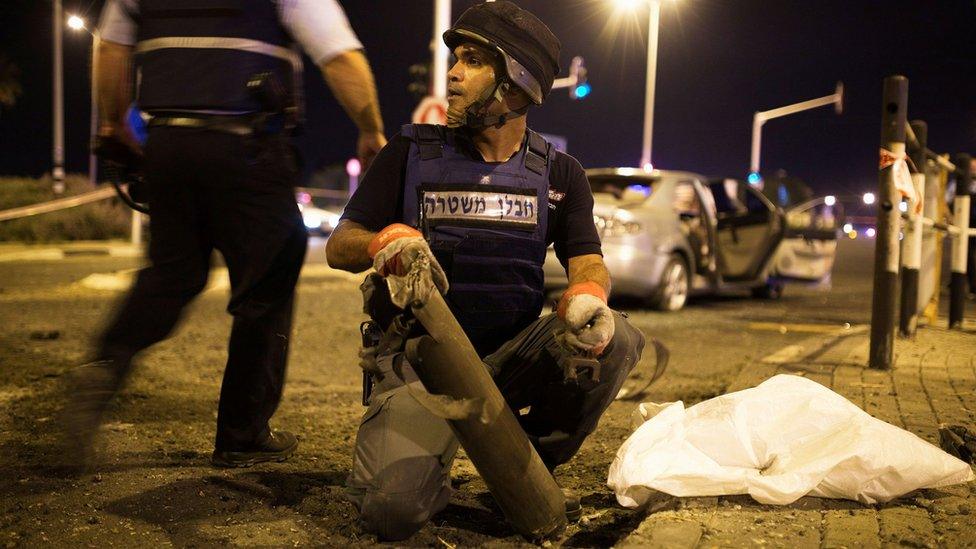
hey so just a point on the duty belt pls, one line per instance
(235, 125)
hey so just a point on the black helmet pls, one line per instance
(528, 48)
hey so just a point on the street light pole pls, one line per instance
(653, 24)
(92, 121)
(57, 171)
(440, 54)
(761, 117)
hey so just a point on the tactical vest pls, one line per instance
(486, 224)
(200, 54)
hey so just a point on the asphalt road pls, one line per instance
(155, 484)
(735, 321)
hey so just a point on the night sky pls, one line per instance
(719, 61)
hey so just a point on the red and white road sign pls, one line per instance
(431, 110)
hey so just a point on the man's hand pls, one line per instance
(351, 81)
(116, 143)
(368, 146)
(587, 321)
(398, 247)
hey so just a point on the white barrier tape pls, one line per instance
(59, 204)
(901, 174)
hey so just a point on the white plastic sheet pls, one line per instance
(784, 439)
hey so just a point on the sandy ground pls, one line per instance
(155, 486)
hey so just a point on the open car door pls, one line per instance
(748, 230)
(809, 242)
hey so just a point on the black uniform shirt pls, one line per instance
(378, 201)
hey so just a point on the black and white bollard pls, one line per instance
(894, 107)
(960, 241)
(912, 242)
(929, 280)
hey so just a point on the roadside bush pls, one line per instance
(94, 221)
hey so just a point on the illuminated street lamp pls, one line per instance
(653, 23)
(76, 23)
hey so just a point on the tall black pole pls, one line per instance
(960, 210)
(912, 243)
(894, 109)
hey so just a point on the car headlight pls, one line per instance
(619, 224)
(331, 221)
(312, 220)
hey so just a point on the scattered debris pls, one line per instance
(959, 441)
(45, 335)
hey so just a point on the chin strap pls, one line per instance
(497, 120)
(475, 116)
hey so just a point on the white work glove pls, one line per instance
(401, 254)
(586, 322)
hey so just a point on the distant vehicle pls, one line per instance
(318, 221)
(668, 234)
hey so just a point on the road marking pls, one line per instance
(783, 328)
(119, 281)
(784, 355)
(30, 253)
(795, 353)
(47, 254)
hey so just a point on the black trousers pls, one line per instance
(403, 455)
(210, 190)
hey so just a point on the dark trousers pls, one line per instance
(210, 190)
(403, 456)
(561, 415)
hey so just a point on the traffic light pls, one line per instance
(582, 88)
(420, 73)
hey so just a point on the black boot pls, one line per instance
(90, 388)
(279, 446)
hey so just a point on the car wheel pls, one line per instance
(672, 292)
(769, 290)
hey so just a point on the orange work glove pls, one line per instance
(397, 247)
(587, 321)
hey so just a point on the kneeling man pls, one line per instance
(481, 199)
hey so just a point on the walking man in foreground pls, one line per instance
(221, 81)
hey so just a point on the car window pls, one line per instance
(623, 187)
(685, 199)
(726, 194)
(754, 204)
(736, 197)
